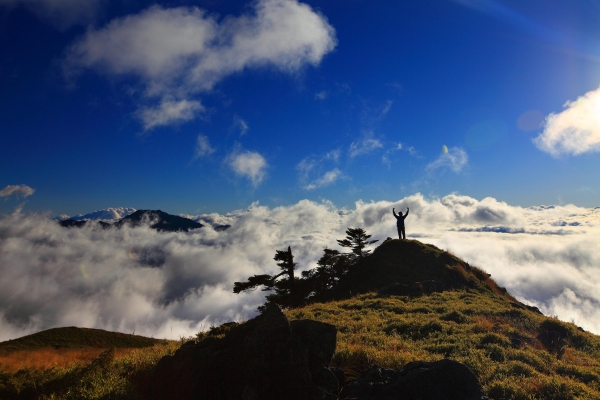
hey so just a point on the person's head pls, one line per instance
(400, 213)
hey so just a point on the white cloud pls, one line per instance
(241, 125)
(365, 145)
(317, 171)
(61, 13)
(574, 131)
(456, 159)
(333, 155)
(248, 164)
(327, 179)
(386, 108)
(387, 156)
(16, 190)
(168, 112)
(321, 95)
(203, 147)
(180, 52)
(53, 276)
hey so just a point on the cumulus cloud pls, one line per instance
(327, 179)
(455, 158)
(16, 190)
(180, 52)
(169, 111)
(137, 278)
(248, 164)
(365, 145)
(61, 13)
(203, 147)
(574, 131)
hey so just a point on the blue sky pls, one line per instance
(203, 106)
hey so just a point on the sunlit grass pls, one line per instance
(47, 358)
(108, 376)
(498, 342)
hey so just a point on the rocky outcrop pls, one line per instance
(265, 358)
(440, 380)
(522, 306)
(412, 289)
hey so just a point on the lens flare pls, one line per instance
(131, 255)
(83, 270)
(445, 149)
(530, 120)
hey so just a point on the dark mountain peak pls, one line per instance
(409, 261)
(160, 221)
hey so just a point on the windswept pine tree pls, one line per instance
(284, 288)
(357, 239)
(290, 291)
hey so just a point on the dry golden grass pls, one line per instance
(47, 358)
(503, 345)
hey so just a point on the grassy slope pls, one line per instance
(515, 352)
(72, 337)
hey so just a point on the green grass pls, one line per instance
(497, 341)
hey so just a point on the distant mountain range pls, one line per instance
(117, 217)
(108, 214)
(159, 220)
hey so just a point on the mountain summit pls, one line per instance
(157, 219)
(160, 220)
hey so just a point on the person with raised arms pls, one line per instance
(400, 223)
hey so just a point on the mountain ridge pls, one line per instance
(156, 219)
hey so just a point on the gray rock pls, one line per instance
(440, 380)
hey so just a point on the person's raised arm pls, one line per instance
(407, 210)
(394, 212)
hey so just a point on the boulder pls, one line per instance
(440, 380)
(320, 339)
(264, 358)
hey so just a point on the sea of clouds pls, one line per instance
(168, 285)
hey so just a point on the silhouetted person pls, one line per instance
(400, 223)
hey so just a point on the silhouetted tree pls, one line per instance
(357, 239)
(333, 265)
(284, 288)
(289, 291)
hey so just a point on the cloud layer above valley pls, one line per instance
(150, 282)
